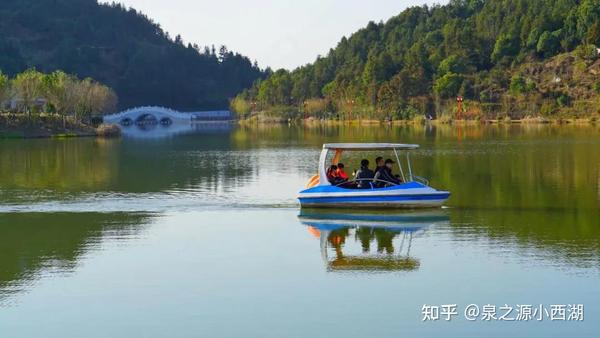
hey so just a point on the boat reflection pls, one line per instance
(346, 238)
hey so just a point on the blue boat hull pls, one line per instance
(407, 195)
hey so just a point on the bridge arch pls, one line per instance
(165, 116)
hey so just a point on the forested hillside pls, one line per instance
(121, 48)
(502, 56)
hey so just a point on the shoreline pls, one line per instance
(25, 136)
(41, 133)
(103, 131)
(19, 126)
(362, 122)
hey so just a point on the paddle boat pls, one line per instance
(412, 192)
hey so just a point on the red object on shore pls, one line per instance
(459, 108)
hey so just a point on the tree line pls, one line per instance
(32, 92)
(427, 56)
(123, 49)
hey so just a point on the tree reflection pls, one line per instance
(33, 244)
(37, 170)
(561, 237)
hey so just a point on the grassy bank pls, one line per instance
(266, 118)
(16, 126)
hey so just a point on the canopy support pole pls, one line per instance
(409, 166)
(322, 171)
(399, 165)
(337, 157)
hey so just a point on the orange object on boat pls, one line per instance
(313, 181)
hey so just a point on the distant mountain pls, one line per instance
(121, 48)
(491, 52)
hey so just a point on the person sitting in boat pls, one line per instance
(332, 172)
(384, 176)
(379, 164)
(364, 175)
(341, 173)
(332, 175)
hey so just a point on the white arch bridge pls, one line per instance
(159, 115)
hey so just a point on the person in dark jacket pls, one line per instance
(364, 175)
(379, 164)
(384, 176)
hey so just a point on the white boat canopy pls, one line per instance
(369, 146)
(339, 148)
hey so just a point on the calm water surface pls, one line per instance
(199, 235)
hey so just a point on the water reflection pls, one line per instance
(40, 245)
(528, 167)
(187, 167)
(346, 238)
(558, 237)
(534, 186)
(524, 218)
(161, 131)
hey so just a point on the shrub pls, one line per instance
(419, 119)
(240, 106)
(518, 85)
(108, 130)
(587, 52)
(315, 106)
(563, 100)
(407, 113)
(548, 108)
(445, 118)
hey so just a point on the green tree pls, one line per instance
(533, 38)
(28, 88)
(518, 85)
(58, 88)
(92, 98)
(465, 47)
(329, 89)
(452, 64)
(392, 95)
(588, 15)
(122, 48)
(506, 46)
(4, 89)
(448, 85)
(593, 34)
(548, 44)
(240, 106)
(276, 90)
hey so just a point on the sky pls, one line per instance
(276, 33)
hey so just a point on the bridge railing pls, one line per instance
(133, 113)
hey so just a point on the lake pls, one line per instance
(198, 234)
